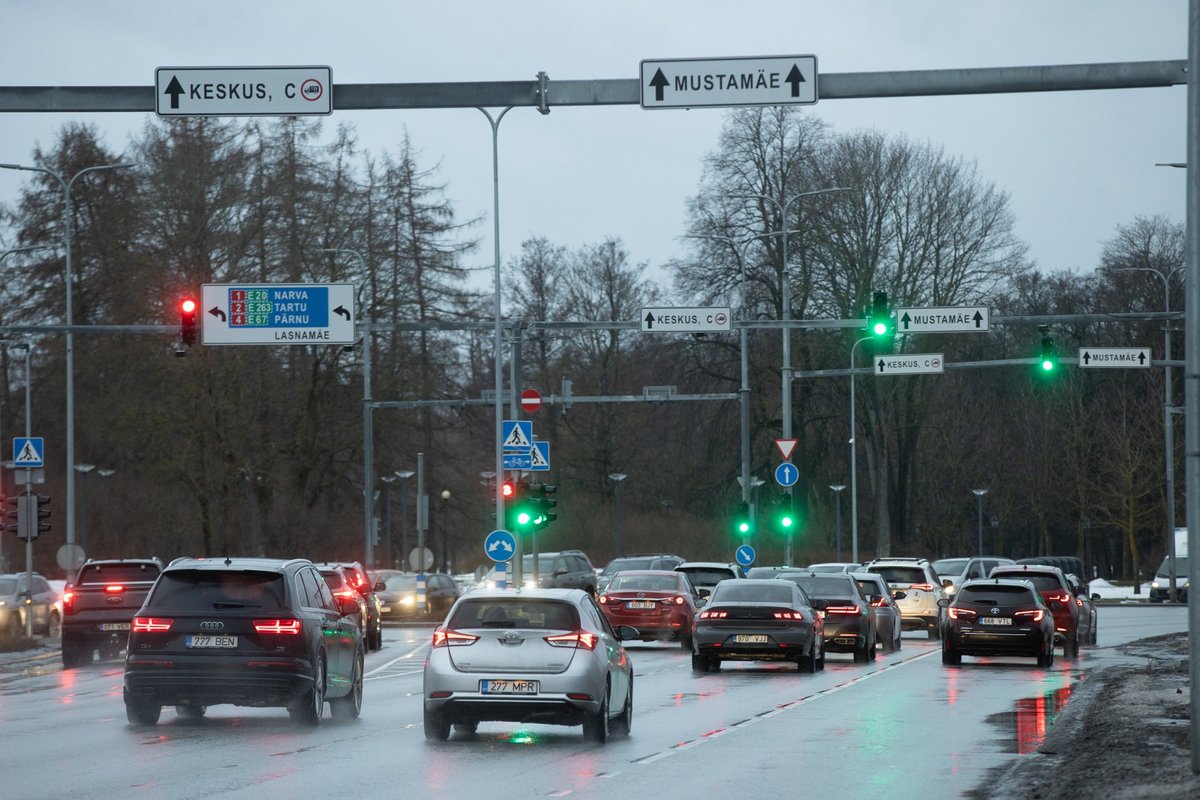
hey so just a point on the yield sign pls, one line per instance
(786, 446)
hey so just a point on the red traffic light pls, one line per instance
(187, 320)
(187, 305)
(508, 489)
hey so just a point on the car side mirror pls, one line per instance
(899, 595)
(1095, 596)
(944, 603)
(700, 601)
(380, 586)
(820, 605)
(347, 606)
(625, 633)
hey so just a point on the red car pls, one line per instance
(1056, 591)
(661, 604)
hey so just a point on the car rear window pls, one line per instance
(8, 586)
(110, 573)
(1041, 581)
(335, 580)
(707, 577)
(901, 574)
(867, 588)
(822, 587)
(739, 592)
(950, 566)
(647, 583)
(627, 563)
(995, 593)
(401, 583)
(502, 612)
(204, 589)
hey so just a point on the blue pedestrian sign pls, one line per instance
(29, 452)
(786, 474)
(539, 457)
(745, 555)
(499, 546)
(516, 435)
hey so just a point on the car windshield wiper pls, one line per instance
(234, 604)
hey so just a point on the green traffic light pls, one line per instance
(523, 518)
(786, 521)
(1047, 365)
(743, 527)
(880, 328)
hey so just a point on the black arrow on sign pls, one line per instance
(1142, 358)
(659, 82)
(649, 320)
(795, 79)
(217, 312)
(905, 320)
(343, 312)
(174, 89)
(1087, 358)
(881, 365)
(978, 318)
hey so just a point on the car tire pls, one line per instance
(821, 658)
(701, 663)
(862, 654)
(873, 652)
(935, 632)
(191, 712)
(54, 626)
(685, 641)
(349, 706)
(1094, 633)
(466, 728)
(437, 726)
(109, 653)
(1071, 648)
(808, 664)
(308, 707)
(142, 713)
(595, 726)
(950, 656)
(75, 653)
(624, 723)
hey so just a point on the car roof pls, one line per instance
(241, 563)
(671, 572)
(706, 565)
(998, 582)
(874, 577)
(572, 595)
(1037, 569)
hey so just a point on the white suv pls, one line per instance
(916, 589)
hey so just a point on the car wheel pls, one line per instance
(466, 728)
(437, 726)
(685, 641)
(109, 653)
(350, 706)
(624, 722)
(1070, 648)
(1092, 636)
(307, 708)
(873, 653)
(950, 656)
(808, 663)
(1044, 658)
(861, 654)
(821, 658)
(935, 632)
(595, 726)
(75, 654)
(54, 626)
(142, 713)
(701, 663)
(191, 712)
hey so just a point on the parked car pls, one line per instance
(849, 625)
(661, 604)
(919, 609)
(884, 607)
(1057, 594)
(979, 567)
(21, 601)
(340, 584)
(641, 561)
(1160, 586)
(568, 569)
(366, 588)
(997, 617)
(766, 619)
(398, 596)
(99, 605)
(247, 632)
(531, 655)
(704, 575)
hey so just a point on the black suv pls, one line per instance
(245, 631)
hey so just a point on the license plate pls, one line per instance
(212, 641)
(641, 604)
(114, 626)
(385, 610)
(995, 621)
(750, 638)
(508, 687)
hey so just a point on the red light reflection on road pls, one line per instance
(1035, 715)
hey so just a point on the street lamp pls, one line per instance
(837, 489)
(445, 531)
(388, 480)
(404, 475)
(70, 339)
(979, 493)
(84, 469)
(617, 477)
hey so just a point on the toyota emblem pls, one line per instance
(212, 626)
(995, 611)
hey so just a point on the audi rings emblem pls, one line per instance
(212, 626)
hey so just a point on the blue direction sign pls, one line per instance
(745, 555)
(518, 461)
(499, 546)
(29, 452)
(786, 474)
(517, 435)
(277, 313)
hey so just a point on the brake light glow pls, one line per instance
(445, 638)
(68, 600)
(713, 614)
(151, 624)
(678, 600)
(788, 615)
(1061, 598)
(345, 593)
(114, 588)
(1033, 616)
(1079, 602)
(583, 639)
(924, 587)
(288, 626)
(960, 613)
(880, 603)
(841, 610)
(604, 600)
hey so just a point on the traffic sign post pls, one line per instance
(744, 555)
(686, 320)
(911, 364)
(786, 446)
(499, 546)
(945, 319)
(29, 452)
(1114, 357)
(531, 400)
(786, 474)
(243, 91)
(738, 81)
(277, 313)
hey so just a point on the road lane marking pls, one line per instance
(398, 660)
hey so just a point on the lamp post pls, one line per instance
(445, 531)
(1168, 412)
(617, 477)
(837, 489)
(404, 475)
(84, 469)
(390, 559)
(995, 534)
(69, 320)
(105, 472)
(979, 493)
(854, 459)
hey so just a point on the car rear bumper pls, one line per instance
(973, 641)
(93, 633)
(182, 680)
(651, 627)
(781, 644)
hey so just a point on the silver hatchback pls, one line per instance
(529, 655)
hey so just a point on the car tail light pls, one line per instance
(114, 588)
(788, 615)
(288, 626)
(961, 613)
(1061, 598)
(880, 603)
(605, 600)
(1079, 602)
(151, 624)
(1033, 616)
(444, 638)
(346, 593)
(924, 587)
(68, 601)
(841, 610)
(583, 639)
(713, 614)
(677, 600)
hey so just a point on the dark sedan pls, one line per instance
(997, 617)
(757, 620)
(849, 624)
(398, 597)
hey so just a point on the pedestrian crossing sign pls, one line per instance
(29, 452)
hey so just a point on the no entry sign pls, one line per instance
(530, 400)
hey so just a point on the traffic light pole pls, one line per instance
(854, 459)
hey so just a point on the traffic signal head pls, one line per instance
(784, 516)
(741, 520)
(879, 321)
(549, 502)
(188, 320)
(1048, 360)
(508, 489)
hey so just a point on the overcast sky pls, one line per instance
(1076, 164)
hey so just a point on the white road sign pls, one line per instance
(950, 319)
(277, 313)
(686, 320)
(242, 91)
(910, 364)
(1114, 357)
(738, 81)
